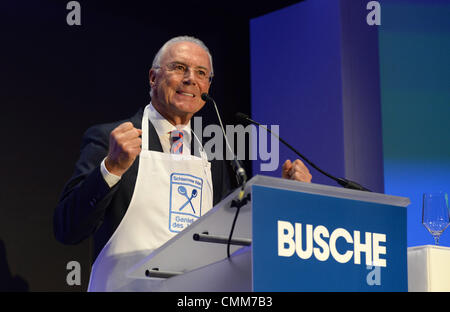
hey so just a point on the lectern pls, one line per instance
(290, 236)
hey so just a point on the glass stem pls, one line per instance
(436, 240)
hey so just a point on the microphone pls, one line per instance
(343, 182)
(239, 171)
(205, 97)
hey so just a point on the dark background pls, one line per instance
(57, 80)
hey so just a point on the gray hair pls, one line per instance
(157, 60)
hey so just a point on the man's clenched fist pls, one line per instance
(124, 146)
(296, 171)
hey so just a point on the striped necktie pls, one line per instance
(176, 142)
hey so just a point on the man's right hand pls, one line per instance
(124, 147)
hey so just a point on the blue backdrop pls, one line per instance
(415, 97)
(370, 103)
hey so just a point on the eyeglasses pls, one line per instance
(181, 69)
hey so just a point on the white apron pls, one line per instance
(171, 192)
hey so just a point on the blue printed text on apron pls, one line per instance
(185, 205)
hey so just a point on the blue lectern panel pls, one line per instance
(308, 242)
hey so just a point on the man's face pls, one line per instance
(177, 86)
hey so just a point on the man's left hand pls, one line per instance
(296, 171)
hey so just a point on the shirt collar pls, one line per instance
(163, 127)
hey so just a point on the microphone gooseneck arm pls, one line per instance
(341, 181)
(239, 171)
(241, 175)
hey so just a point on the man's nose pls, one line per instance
(189, 77)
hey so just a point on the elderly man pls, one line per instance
(126, 186)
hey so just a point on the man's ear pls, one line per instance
(152, 77)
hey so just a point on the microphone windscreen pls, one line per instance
(206, 97)
(241, 116)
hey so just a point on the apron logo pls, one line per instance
(182, 191)
(185, 205)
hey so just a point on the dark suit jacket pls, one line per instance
(89, 206)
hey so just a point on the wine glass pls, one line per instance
(435, 213)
